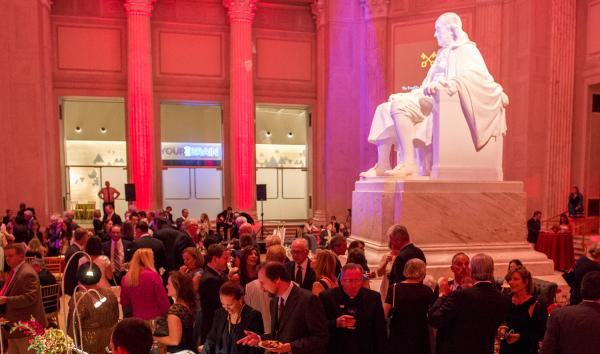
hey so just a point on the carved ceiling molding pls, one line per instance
(240, 9)
(374, 9)
(319, 12)
(139, 7)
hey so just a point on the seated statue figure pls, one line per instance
(406, 119)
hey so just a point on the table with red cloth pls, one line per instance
(558, 246)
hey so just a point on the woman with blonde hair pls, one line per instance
(204, 225)
(142, 292)
(324, 267)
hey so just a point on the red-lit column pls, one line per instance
(140, 101)
(243, 173)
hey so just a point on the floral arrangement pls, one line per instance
(44, 341)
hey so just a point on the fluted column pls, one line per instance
(243, 174)
(375, 15)
(319, 200)
(560, 118)
(488, 33)
(140, 101)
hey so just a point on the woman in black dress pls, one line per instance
(179, 322)
(527, 317)
(406, 304)
(231, 321)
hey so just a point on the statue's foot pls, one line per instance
(373, 172)
(403, 171)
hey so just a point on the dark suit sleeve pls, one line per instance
(550, 343)
(255, 324)
(213, 336)
(444, 310)
(161, 256)
(316, 341)
(379, 329)
(31, 287)
(329, 308)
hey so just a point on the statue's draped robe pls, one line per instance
(482, 99)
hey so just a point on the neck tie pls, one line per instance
(299, 275)
(7, 282)
(279, 311)
(116, 261)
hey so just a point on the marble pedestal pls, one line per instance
(444, 217)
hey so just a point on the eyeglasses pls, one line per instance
(352, 281)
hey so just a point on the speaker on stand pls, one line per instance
(130, 192)
(261, 195)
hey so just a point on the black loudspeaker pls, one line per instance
(130, 192)
(261, 192)
(593, 207)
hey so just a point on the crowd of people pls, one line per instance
(200, 290)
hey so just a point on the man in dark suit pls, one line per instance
(338, 246)
(81, 237)
(213, 277)
(22, 296)
(354, 315)
(534, 225)
(128, 228)
(109, 214)
(574, 329)
(119, 251)
(300, 270)
(167, 235)
(144, 240)
(297, 317)
(184, 240)
(470, 317)
(400, 241)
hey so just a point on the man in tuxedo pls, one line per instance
(128, 228)
(185, 213)
(144, 240)
(21, 295)
(354, 315)
(109, 214)
(225, 221)
(167, 235)
(184, 240)
(213, 277)
(574, 329)
(470, 317)
(119, 251)
(400, 240)
(80, 238)
(297, 317)
(300, 270)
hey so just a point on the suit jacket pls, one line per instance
(469, 319)
(128, 231)
(71, 271)
(127, 250)
(251, 320)
(303, 323)
(24, 298)
(533, 230)
(573, 329)
(168, 235)
(210, 283)
(157, 247)
(116, 219)
(409, 252)
(369, 337)
(309, 277)
(182, 242)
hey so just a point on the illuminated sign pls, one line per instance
(191, 154)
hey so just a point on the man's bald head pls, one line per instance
(299, 250)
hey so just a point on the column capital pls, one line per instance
(375, 9)
(319, 12)
(139, 7)
(240, 10)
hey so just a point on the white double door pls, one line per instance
(200, 190)
(287, 197)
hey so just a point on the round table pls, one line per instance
(558, 246)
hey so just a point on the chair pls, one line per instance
(53, 264)
(50, 299)
(29, 259)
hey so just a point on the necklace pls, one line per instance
(238, 320)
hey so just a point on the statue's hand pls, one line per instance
(432, 89)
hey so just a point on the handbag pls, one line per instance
(161, 327)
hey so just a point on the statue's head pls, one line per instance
(448, 29)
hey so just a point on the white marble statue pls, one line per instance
(406, 119)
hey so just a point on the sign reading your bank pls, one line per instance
(191, 154)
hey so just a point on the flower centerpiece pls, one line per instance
(44, 341)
